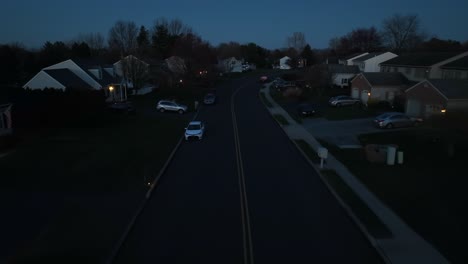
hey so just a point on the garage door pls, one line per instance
(413, 108)
(355, 93)
(364, 96)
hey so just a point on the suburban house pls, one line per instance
(6, 124)
(76, 74)
(133, 73)
(348, 60)
(457, 69)
(370, 62)
(437, 96)
(284, 63)
(231, 64)
(420, 66)
(341, 75)
(378, 86)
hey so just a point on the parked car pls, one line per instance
(209, 99)
(395, 119)
(122, 107)
(306, 109)
(280, 87)
(166, 105)
(195, 130)
(343, 100)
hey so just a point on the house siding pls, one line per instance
(426, 96)
(457, 105)
(361, 84)
(373, 64)
(41, 81)
(382, 93)
(340, 76)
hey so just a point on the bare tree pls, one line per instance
(402, 32)
(227, 50)
(177, 28)
(123, 37)
(95, 41)
(135, 71)
(296, 41)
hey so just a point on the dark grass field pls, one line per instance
(428, 191)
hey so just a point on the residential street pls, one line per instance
(197, 213)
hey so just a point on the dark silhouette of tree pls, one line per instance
(308, 55)
(143, 42)
(122, 37)
(439, 45)
(13, 68)
(255, 54)
(296, 41)
(52, 53)
(358, 40)
(402, 32)
(227, 50)
(80, 50)
(95, 42)
(162, 41)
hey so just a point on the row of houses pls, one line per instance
(116, 79)
(430, 83)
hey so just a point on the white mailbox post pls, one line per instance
(323, 154)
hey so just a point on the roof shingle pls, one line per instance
(386, 78)
(68, 78)
(424, 59)
(452, 89)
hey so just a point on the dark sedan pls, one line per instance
(209, 99)
(305, 110)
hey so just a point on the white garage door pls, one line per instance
(355, 93)
(413, 108)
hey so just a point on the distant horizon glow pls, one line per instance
(32, 23)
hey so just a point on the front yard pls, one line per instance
(69, 192)
(428, 191)
(290, 104)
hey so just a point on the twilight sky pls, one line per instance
(266, 23)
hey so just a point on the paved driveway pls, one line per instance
(342, 133)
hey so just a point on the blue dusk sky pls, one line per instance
(266, 23)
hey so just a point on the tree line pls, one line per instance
(398, 33)
(165, 38)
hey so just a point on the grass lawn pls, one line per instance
(281, 119)
(360, 209)
(265, 100)
(96, 172)
(428, 191)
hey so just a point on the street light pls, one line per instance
(111, 88)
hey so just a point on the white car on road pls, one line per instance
(195, 130)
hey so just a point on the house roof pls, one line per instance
(460, 64)
(420, 59)
(353, 55)
(369, 56)
(91, 63)
(68, 78)
(452, 89)
(339, 68)
(386, 78)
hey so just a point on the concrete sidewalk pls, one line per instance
(405, 246)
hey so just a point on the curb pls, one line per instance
(142, 205)
(347, 209)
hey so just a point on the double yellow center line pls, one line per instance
(246, 230)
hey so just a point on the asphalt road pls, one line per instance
(274, 209)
